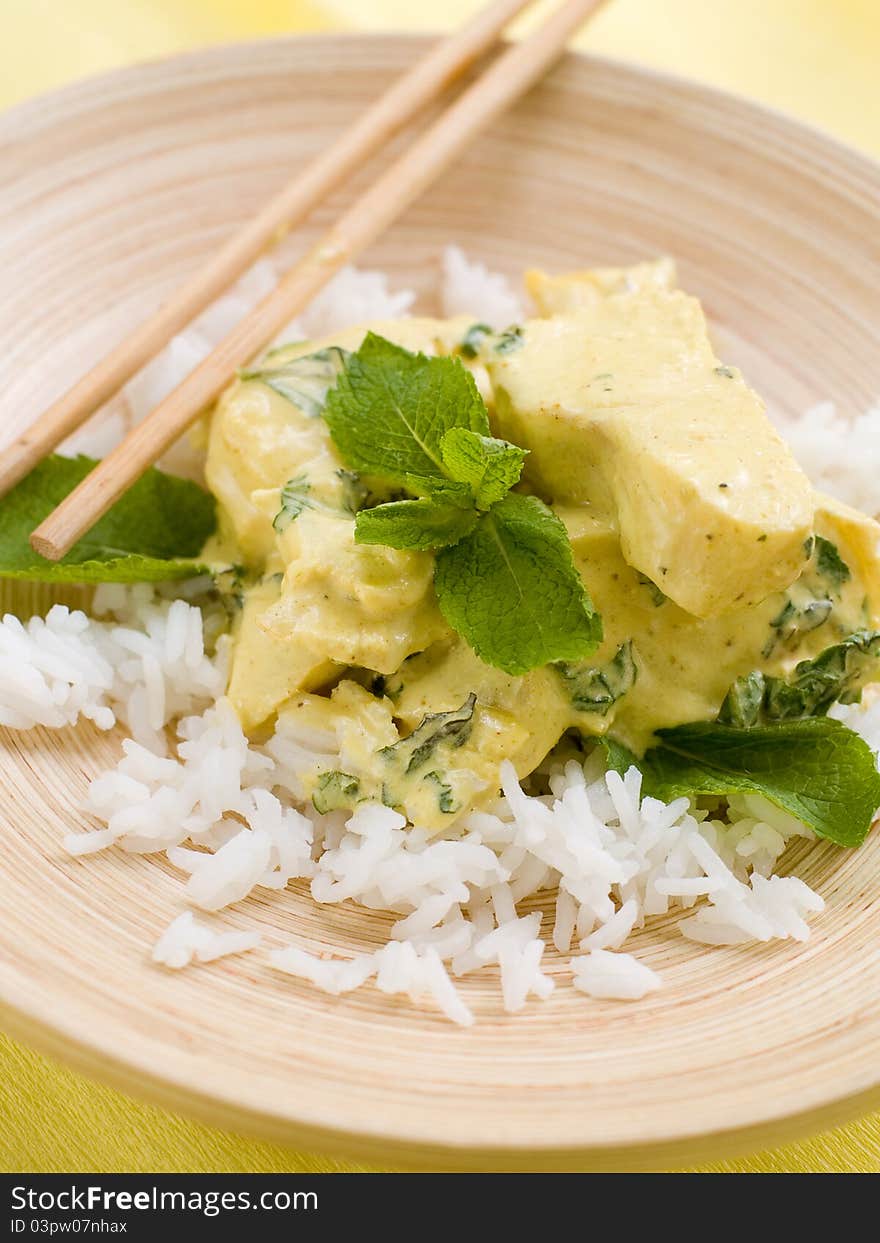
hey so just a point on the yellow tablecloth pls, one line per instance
(815, 58)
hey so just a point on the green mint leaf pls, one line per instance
(511, 589)
(490, 467)
(390, 408)
(597, 689)
(304, 381)
(815, 769)
(155, 531)
(421, 524)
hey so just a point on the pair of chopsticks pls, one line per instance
(508, 77)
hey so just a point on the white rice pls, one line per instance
(230, 815)
(841, 456)
(185, 939)
(617, 976)
(469, 288)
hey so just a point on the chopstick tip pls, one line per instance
(45, 547)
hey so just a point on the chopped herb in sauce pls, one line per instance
(294, 499)
(304, 381)
(829, 563)
(508, 341)
(334, 790)
(230, 585)
(657, 596)
(451, 729)
(597, 689)
(355, 493)
(836, 675)
(473, 339)
(298, 495)
(803, 612)
(446, 800)
(796, 619)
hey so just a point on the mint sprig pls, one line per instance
(504, 574)
(816, 769)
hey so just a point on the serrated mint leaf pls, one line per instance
(155, 531)
(422, 524)
(390, 408)
(304, 381)
(490, 467)
(511, 589)
(815, 769)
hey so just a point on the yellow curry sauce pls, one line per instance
(691, 524)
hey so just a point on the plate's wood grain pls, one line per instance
(113, 189)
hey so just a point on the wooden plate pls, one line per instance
(114, 188)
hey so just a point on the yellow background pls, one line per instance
(815, 58)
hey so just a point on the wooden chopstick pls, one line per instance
(397, 106)
(505, 80)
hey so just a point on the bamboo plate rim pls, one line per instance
(36, 1020)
